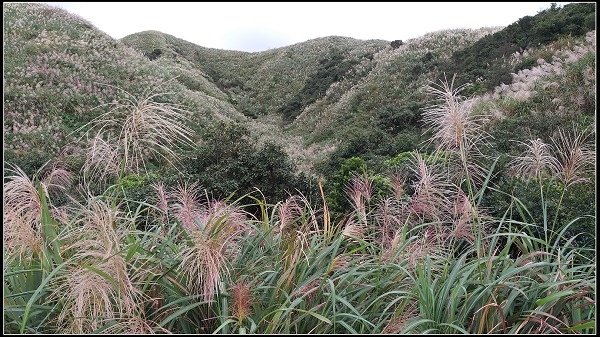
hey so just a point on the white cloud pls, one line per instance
(259, 26)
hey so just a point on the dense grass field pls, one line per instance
(426, 258)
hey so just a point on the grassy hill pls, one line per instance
(318, 99)
(272, 87)
(310, 95)
(264, 82)
(338, 90)
(485, 63)
(465, 205)
(58, 68)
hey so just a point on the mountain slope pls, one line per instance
(263, 82)
(482, 63)
(328, 96)
(58, 68)
(308, 96)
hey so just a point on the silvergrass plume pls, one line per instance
(214, 229)
(431, 189)
(454, 126)
(241, 304)
(187, 205)
(289, 211)
(133, 131)
(575, 157)
(360, 191)
(22, 213)
(162, 203)
(390, 216)
(106, 291)
(536, 160)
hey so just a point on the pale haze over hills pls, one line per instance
(261, 26)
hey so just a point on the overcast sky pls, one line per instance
(261, 26)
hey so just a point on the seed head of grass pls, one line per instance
(102, 160)
(215, 229)
(398, 185)
(187, 205)
(354, 231)
(431, 189)
(203, 263)
(98, 286)
(241, 301)
(162, 202)
(135, 130)
(452, 122)
(575, 157)
(390, 215)
(87, 301)
(536, 160)
(289, 211)
(57, 178)
(22, 213)
(360, 191)
(463, 218)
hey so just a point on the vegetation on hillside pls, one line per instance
(429, 257)
(59, 69)
(332, 186)
(483, 63)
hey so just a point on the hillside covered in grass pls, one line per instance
(443, 184)
(59, 69)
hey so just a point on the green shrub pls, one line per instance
(227, 161)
